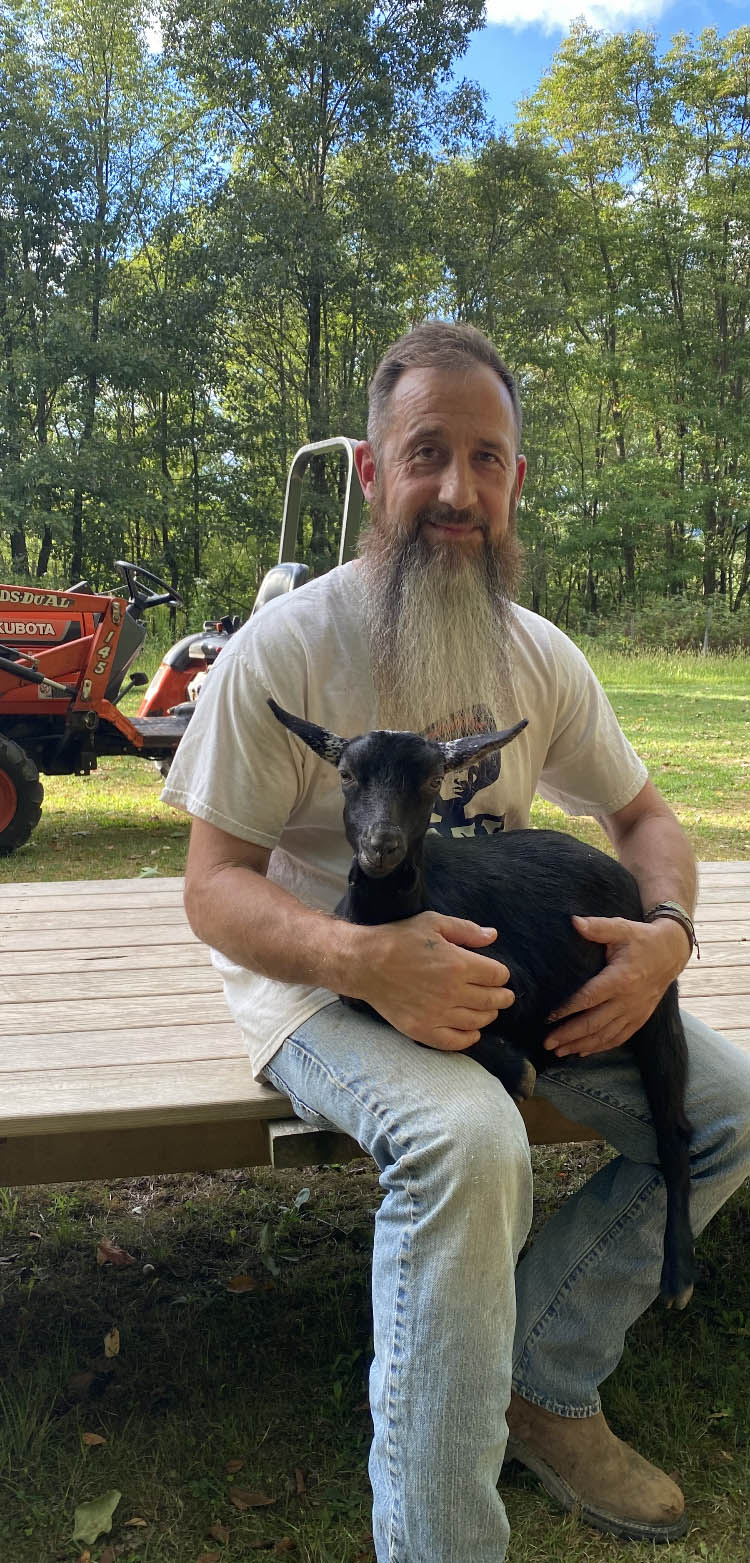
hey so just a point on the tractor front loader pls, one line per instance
(64, 656)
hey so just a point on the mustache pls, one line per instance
(445, 515)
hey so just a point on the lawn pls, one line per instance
(688, 716)
(229, 1410)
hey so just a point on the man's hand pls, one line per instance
(641, 961)
(426, 979)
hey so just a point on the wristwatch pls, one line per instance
(678, 914)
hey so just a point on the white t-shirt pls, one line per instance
(238, 768)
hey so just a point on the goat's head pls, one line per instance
(390, 781)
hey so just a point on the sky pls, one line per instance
(508, 56)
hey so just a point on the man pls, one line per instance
(421, 633)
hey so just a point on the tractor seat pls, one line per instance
(279, 579)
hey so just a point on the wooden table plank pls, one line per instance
(41, 1052)
(135, 957)
(201, 1089)
(125, 1031)
(721, 866)
(89, 919)
(111, 935)
(722, 1011)
(148, 886)
(16, 905)
(184, 1009)
(122, 983)
(708, 981)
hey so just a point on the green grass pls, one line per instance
(688, 716)
(276, 1376)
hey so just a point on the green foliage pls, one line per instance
(203, 254)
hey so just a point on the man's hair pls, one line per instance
(435, 344)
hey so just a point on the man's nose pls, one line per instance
(458, 485)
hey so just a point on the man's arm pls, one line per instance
(642, 958)
(422, 975)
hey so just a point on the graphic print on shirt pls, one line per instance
(449, 816)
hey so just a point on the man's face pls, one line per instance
(440, 559)
(448, 470)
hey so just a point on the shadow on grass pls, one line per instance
(274, 1376)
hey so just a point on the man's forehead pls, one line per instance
(426, 398)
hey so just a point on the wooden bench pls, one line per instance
(118, 1055)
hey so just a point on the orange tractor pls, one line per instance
(66, 656)
(64, 661)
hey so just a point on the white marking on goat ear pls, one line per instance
(320, 739)
(461, 751)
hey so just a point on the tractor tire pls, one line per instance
(21, 794)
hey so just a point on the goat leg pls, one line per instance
(661, 1053)
(507, 1063)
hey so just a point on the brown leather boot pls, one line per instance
(586, 1468)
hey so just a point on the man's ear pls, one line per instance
(520, 475)
(364, 461)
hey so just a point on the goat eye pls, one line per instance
(346, 777)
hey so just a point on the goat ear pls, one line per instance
(461, 751)
(324, 743)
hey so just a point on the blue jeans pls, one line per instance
(454, 1327)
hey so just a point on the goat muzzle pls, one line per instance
(381, 850)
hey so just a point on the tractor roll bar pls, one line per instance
(352, 499)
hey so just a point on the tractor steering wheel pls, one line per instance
(131, 573)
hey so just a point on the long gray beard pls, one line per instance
(438, 623)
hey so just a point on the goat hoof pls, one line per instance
(681, 1299)
(525, 1084)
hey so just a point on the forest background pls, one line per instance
(204, 250)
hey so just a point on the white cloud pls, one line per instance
(556, 15)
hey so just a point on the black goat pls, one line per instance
(527, 884)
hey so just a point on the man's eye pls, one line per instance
(434, 784)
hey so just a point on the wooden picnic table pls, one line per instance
(118, 1054)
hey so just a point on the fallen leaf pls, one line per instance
(95, 1518)
(286, 1544)
(242, 1283)
(109, 1254)
(209, 1557)
(219, 1532)
(108, 1555)
(84, 1557)
(234, 1465)
(136, 1520)
(92, 1439)
(243, 1498)
(112, 1342)
(299, 1481)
